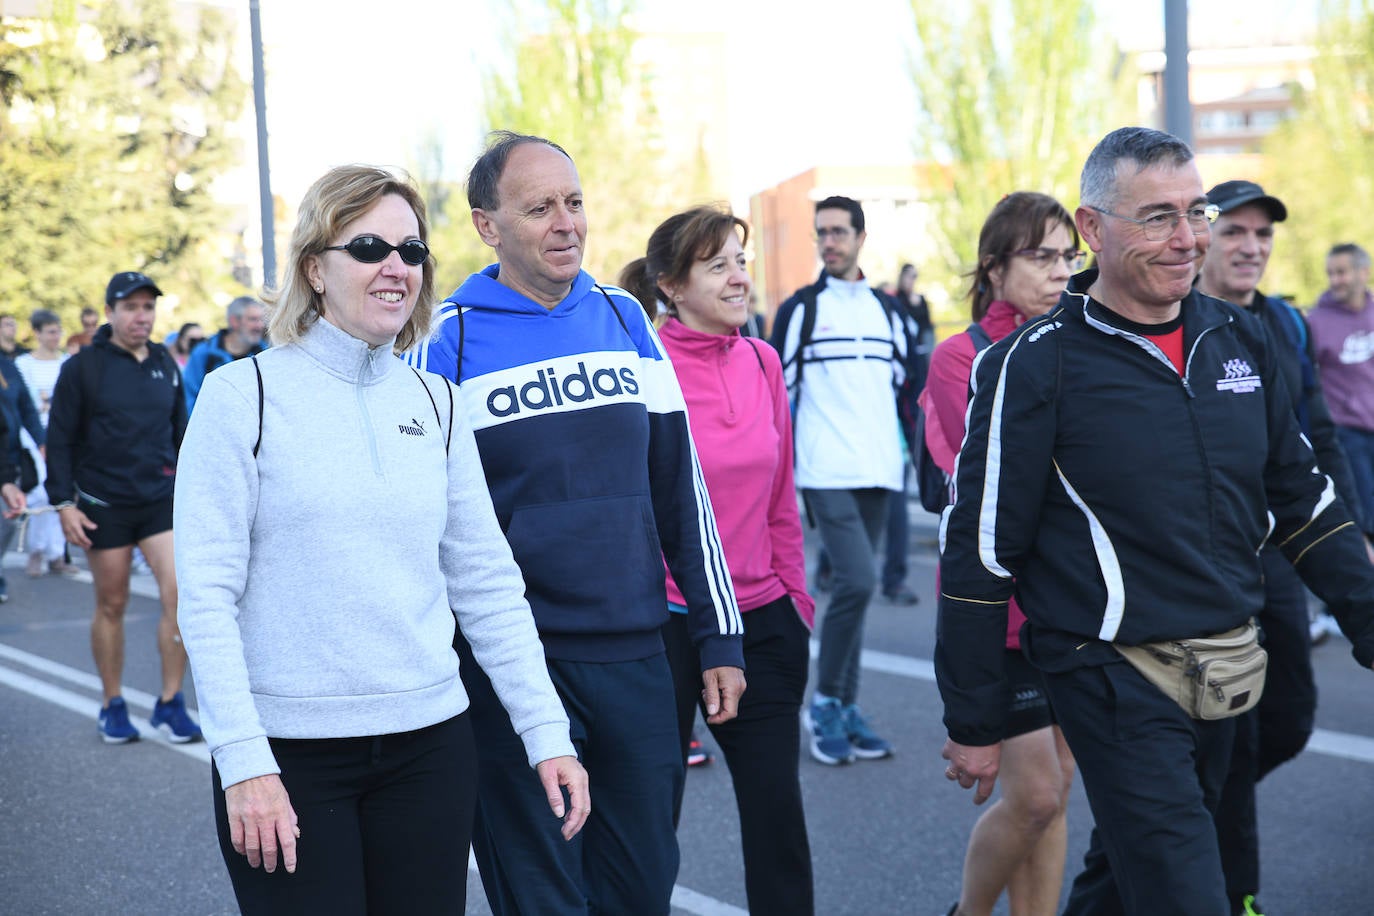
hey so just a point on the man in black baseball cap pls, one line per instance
(125, 284)
(1278, 728)
(118, 415)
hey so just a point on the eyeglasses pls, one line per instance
(192, 341)
(1160, 226)
(371, 250)
(836, 232)
(1044, 257)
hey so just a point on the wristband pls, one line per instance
(67, 504)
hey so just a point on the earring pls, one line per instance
(319, 289)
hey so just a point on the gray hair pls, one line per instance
(1143, 146)
(1358, 255)
(236, 308)
(486, 171)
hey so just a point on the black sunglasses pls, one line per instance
(371, 250)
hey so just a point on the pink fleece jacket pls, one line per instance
(945, 402)
(738, 412)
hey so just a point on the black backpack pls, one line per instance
(933, 482)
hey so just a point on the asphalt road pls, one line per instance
(89, 828)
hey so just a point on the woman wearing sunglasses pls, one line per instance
(1027, 250)
(330, 511)
(738, 411)
(187, 339)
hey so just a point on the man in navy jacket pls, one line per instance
(583, 434)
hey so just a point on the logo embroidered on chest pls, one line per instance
(417, 427)
(1239, 377)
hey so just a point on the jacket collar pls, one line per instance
(345, 356)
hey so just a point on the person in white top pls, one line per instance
(39, 369)
(848, 341)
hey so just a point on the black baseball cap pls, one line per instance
(1232, 194)
(123, 285)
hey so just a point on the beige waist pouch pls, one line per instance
(1213, 677)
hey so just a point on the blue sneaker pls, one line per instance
(829, 745)
(172, 719)
(114, 724)
(861, 737)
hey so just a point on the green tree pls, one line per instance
(113, 130)
(1321, 161)
(1013, 94)
(574, 79)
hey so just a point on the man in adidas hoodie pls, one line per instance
(584, 440)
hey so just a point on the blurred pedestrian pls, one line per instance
(90, 323)
(241, 337)
(39, 369)
(187, 338)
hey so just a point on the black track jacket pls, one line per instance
(121, 446)
(1126, 503)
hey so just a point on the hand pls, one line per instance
(724, 687)
(75, 524)
(262, 822)
(557, 772)
(970, 765)
(1369, 550)
(14, 500)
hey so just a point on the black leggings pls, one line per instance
(761, 747)
(385, 825)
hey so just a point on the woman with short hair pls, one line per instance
(742, 429)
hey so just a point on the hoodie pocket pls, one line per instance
(587, 555)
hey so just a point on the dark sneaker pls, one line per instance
(829, 744)
(861, 737)
(172, 719)
(114, 724)
(4, 590)
(697, 754)
(901, 596)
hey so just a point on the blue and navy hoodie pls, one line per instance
(583, 434)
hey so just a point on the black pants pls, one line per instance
(385, 825)
(625, 860)
(761, 747)
(1153, 776)
(1276, 730)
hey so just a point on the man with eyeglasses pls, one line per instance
(583, 435)
(844, 349)
(1277, 729)
(242, 338)
(1127, 455)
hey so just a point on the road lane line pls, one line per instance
(684, 898)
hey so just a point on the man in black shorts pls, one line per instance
(117, 418)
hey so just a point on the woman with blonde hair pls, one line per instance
(328, 686)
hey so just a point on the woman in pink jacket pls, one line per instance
(737, 406)
(1026, 252)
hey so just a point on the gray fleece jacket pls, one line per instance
(316, 579)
